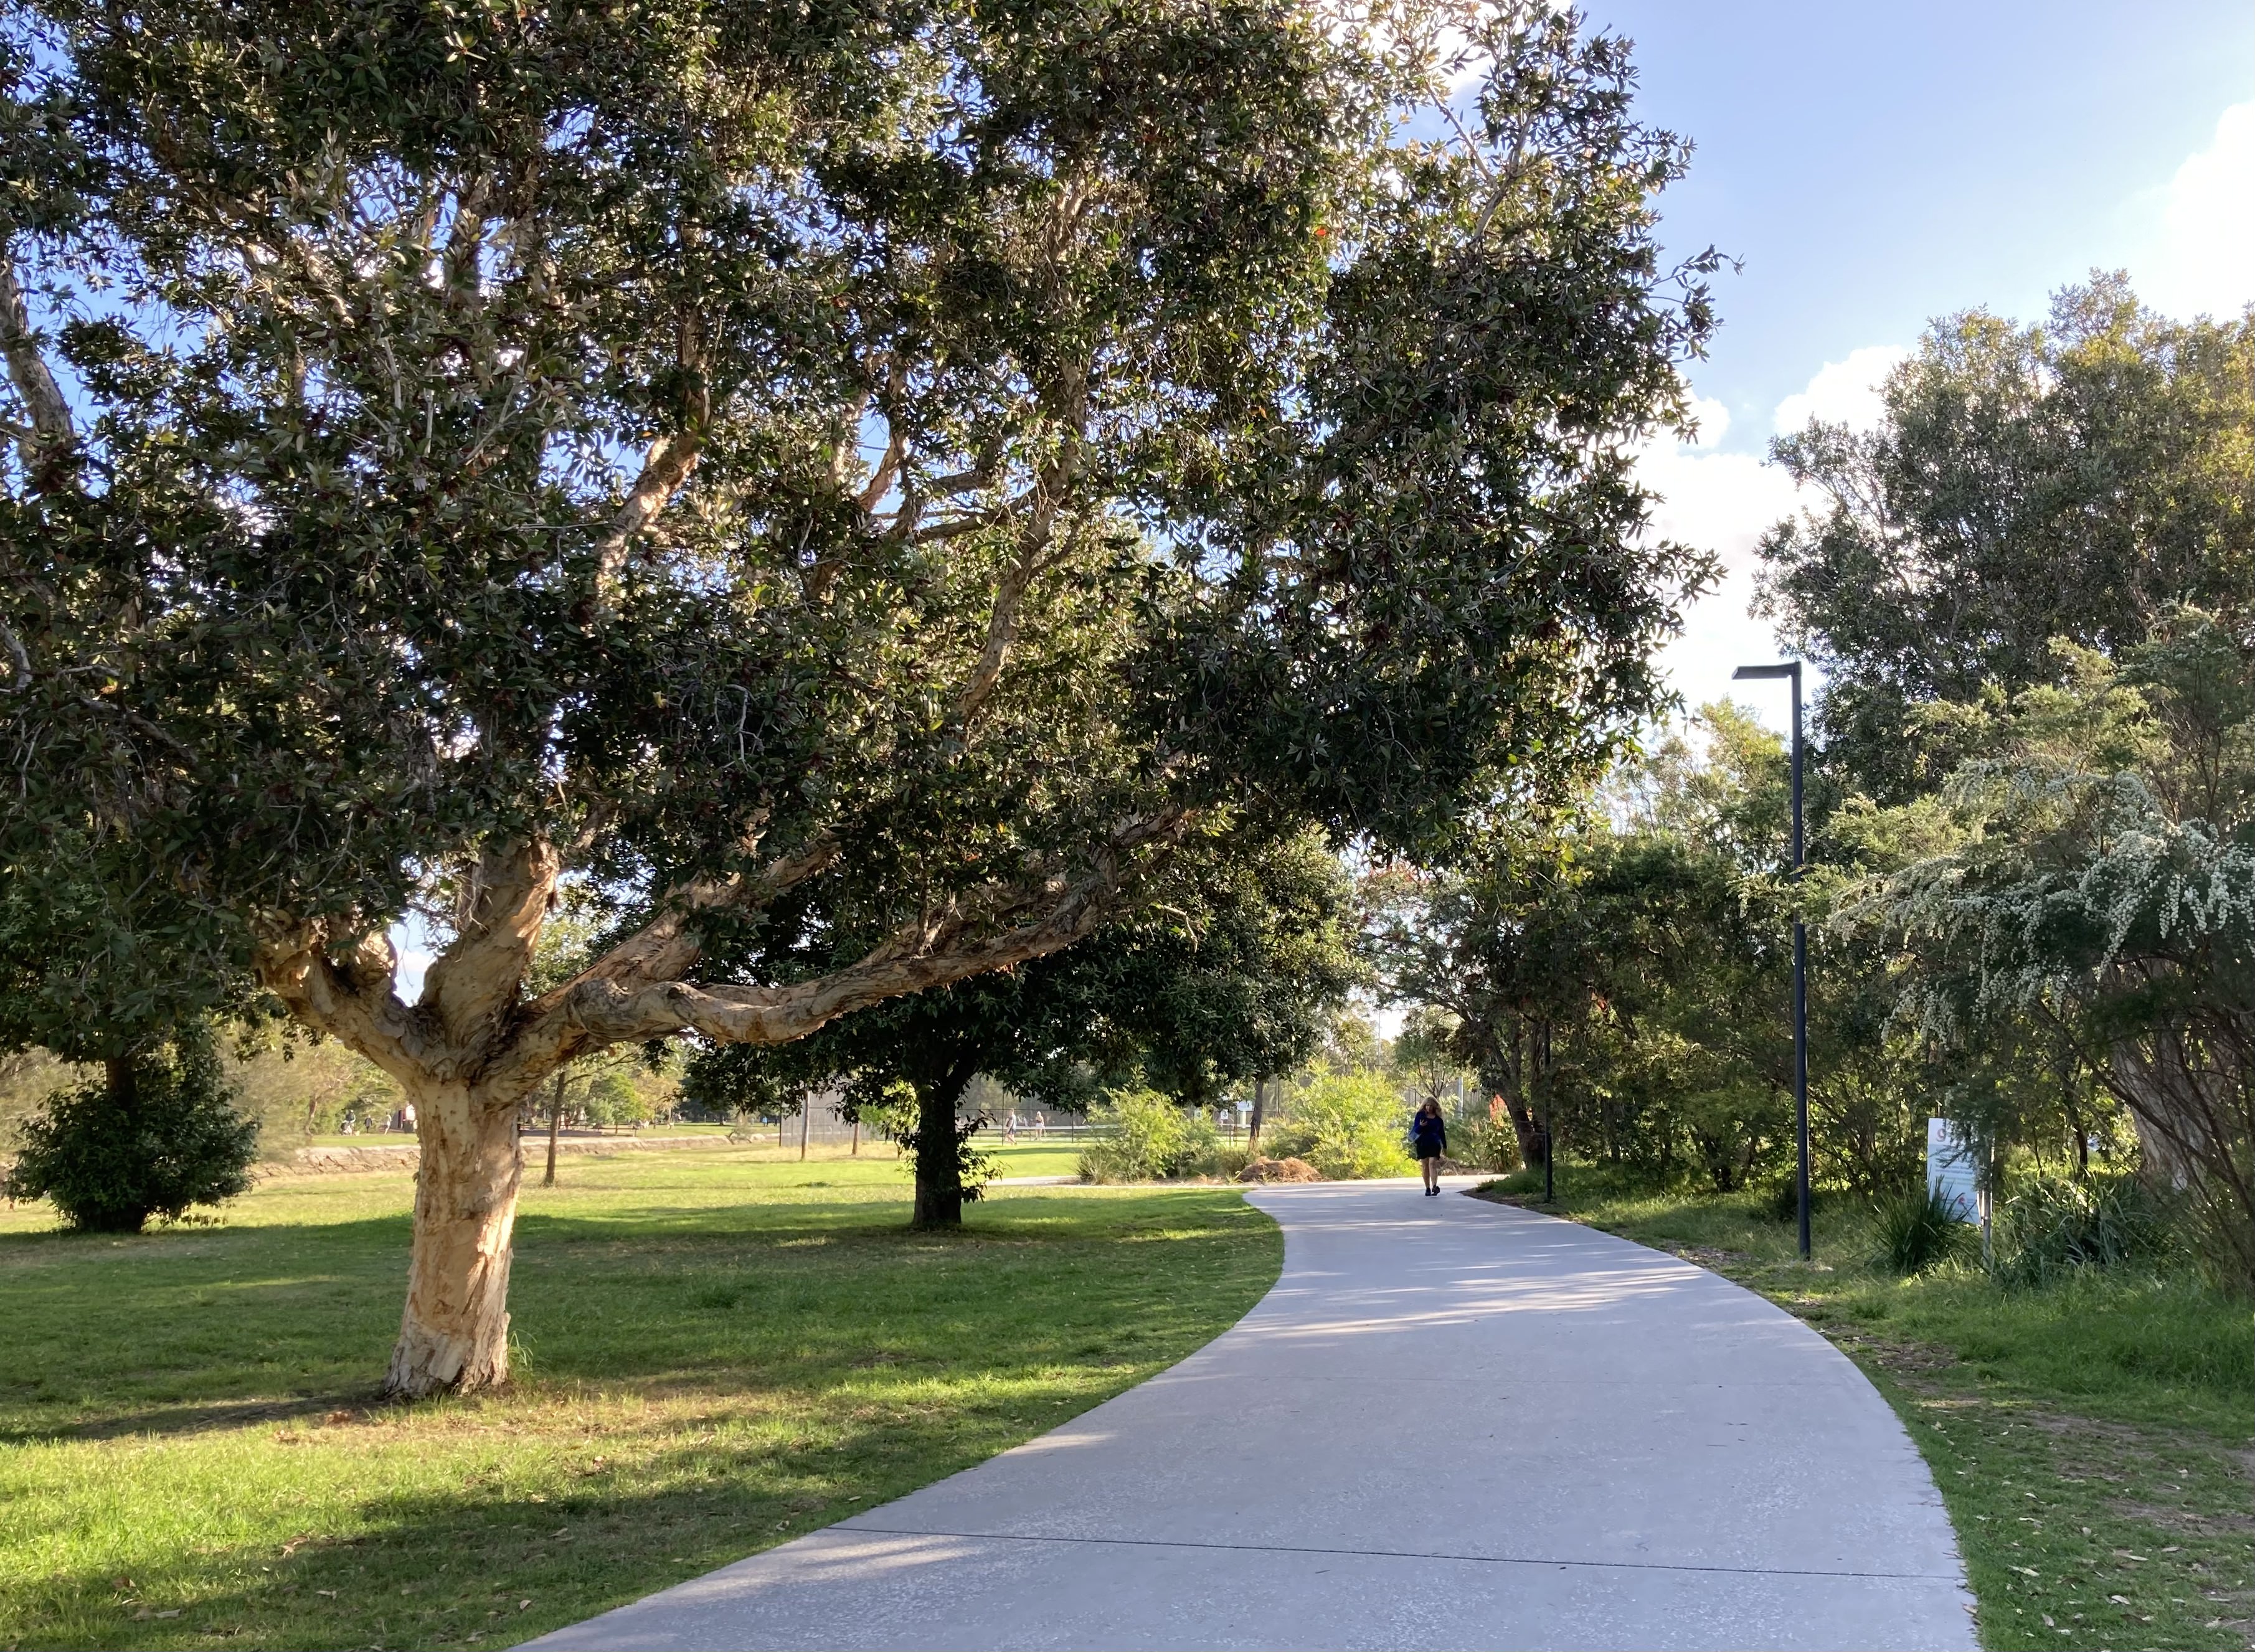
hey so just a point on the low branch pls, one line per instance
(352, 1001)
(593, 1013)
(669, 946)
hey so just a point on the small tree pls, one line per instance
(156, 1136)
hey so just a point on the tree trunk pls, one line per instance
(1259, 1106)
(454, 1337)
(555, 1125)
(939, 1153)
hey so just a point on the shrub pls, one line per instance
(1780, 1201)
(2048, 1229)
(1486, 1144)
(1917, 1231)
(171, 1140)
(1148, 1137)
(1348, 1126)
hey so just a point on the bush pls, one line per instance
(1780, 1201)
(2048, 1229)
(173, 1139)
(1147, 1138)
(1487, 1144)
(1348, 1126)
(1917, 1231)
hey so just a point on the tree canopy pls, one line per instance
(2068, 481)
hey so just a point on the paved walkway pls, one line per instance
(1450, 1424)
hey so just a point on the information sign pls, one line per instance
(1952, 1172)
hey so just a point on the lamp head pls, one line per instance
(1747, 673)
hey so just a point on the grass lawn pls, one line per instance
(716, 1351)
(2094, 1443)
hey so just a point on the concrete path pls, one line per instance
(1450, 1424)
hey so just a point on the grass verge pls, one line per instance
(2094, 1442)
(717, 1352)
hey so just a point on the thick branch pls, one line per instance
(594, 1012)
(352, 1001)
(474, 985)
(668, 465)
(669, 946)
(42, 398)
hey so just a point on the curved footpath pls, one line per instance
(1451, 1424)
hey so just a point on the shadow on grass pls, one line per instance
(435, 1570)
(218, 1329)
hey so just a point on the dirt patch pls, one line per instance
(1279, 1170)
(2164, 1518)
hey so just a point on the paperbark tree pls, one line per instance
(897, 468)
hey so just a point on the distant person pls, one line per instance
(1428, 1139)
(1010, 1125)
(1041, 1125)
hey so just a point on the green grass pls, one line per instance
(716, 1351)
(2094, 1442)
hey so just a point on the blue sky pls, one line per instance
(1875, 166)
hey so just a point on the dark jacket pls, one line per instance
(1430, 1131)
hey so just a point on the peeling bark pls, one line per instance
(453, 1335)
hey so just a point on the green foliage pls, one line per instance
(1348, 1125)
(2097, 889)
(1918, 1231)
(1147, 1137)
(2052, 1227)
(160, 1135)
(924, 458)
(2068, 481)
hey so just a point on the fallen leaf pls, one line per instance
(330, 1592)
(2025, 1571)
(2119, 1600)
(2048, 1624)
(521, 1605)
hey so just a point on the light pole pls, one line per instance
(1791, 671)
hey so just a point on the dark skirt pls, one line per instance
(1429, 1149)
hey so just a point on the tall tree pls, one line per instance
(1233, 971)
(2071, 480)
(900, 465)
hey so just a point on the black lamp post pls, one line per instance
(1791, 671)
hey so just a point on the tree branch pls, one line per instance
(52, 431)
(473, 984)
(594, 1011)
(669, 946)
(352, 1003)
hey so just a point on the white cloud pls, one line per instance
(1724, 503)
(1843, 392)
(2203, 260)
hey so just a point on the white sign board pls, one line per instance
(1952, 1175)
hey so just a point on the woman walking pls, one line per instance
(1428, 1139)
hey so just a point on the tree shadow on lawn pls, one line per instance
(438, 1566)
(689, 1399)
(257, 1325)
